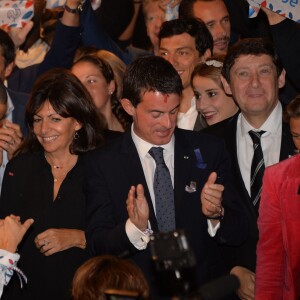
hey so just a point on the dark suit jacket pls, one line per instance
(19, 101)
(113, 169)
(246, 255)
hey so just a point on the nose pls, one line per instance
(44, 126)
(255, 81)
(158, 23)
(166, 121)
(219, 31)
(201, 104)
(172, 59)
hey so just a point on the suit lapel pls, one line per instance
(184, 160)
(134, 170)
(232, 149)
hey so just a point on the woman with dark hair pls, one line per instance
(44, 181)
(98, 77)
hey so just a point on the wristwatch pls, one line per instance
(74, 10)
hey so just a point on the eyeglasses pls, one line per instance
(295, 136)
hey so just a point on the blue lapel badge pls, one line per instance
(200, 162)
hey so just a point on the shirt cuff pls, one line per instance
(212, 230)
(138, 238)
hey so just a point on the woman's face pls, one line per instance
(295, 131)
(92, 78)
(211, 100)
(54, 132)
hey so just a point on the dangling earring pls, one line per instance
(76, 135)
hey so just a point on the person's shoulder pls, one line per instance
(25, 160)
(196, 138)
(286, 168)
(222, 128)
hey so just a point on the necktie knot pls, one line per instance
(256, 135)
(157, 154)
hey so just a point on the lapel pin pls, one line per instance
(191, 188)
(186, 157)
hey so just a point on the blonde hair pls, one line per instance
(211, 68)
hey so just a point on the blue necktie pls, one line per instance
(257, 167)
(163, 191)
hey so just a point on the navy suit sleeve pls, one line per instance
(286, 37)
(105, 222)
(93, 34)
(63, 48)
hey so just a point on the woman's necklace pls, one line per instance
(57, 168)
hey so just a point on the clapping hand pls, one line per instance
(137, 207)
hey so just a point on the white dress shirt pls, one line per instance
(138, 238)
(270, 142)
(187, 120)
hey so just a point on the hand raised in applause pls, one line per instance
(211, 197)
(137, 207)
(12, 232)
(54, 240)
(10, 138)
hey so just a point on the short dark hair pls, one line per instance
(186, 8)
(250, 46)
(194, 27)
(69, 98)
(7, 48)
(3, 93)
(151, 73)
(293, 109)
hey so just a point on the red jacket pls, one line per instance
(278, 249)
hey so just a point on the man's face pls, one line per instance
(155, 116)
(154, 17)
(254, 85)
(180, 50)
(216, 17)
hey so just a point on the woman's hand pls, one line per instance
(55, 240)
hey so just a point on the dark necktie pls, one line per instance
(257, 167)
(163, 191)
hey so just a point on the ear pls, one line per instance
(8, 69)
(78, 126)
(111, 87)
(226, 85)
(206, 54)
(281, 79)
(128, 107)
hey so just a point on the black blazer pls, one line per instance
(246, 255)
(112, 170)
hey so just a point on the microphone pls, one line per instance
(218, 289)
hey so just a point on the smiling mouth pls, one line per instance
(208, 115)
(49, 139)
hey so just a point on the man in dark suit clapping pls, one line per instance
(122, 190)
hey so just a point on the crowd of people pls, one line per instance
(111, 135)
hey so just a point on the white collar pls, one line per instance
(143, 146)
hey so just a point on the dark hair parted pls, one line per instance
(151, 73)
(292, 110)
(186, 8)
(250, 46)
(69, 98)
(106, 272)
(194, 27)
(7, 48)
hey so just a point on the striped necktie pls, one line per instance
(257, 167)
